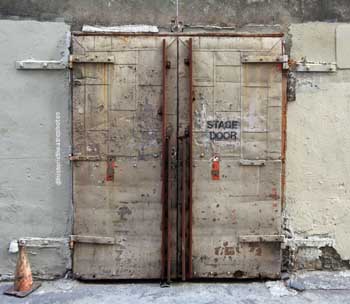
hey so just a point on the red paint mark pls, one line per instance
(215, 168)
(110, 170)
(258, 251)
(229, 251)
(274, 195)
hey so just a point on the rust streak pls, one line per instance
(164, 161)
(183, 212)
(284, 136)
(190, 46)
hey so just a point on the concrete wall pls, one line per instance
(32, 202)
(224, 12)
(317, 215)
(318, 162)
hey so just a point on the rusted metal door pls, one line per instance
(237, 157)
(177, 156)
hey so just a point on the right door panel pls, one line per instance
(236, 160)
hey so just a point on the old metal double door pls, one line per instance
(177, 156)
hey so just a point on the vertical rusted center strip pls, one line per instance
(284, 136)
(190, 56)
(183, 212)
(164, 161)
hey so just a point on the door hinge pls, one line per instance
(262, 238)
(98, 240)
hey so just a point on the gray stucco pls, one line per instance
(31, 203)
(224, 12)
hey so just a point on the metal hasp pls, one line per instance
(32, 64)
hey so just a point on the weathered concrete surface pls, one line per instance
(318, 164)
(226, 12)
(31, 203)
(342, 46)
(272, 292)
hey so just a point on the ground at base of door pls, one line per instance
(320, 288)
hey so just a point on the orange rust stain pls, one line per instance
(258, 251)
(229, 251)
(234, 216)
(274, 195)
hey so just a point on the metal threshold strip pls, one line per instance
(182, 34)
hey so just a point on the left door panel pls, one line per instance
(117, 153)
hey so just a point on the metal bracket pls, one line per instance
(84, 158)
(315, 67)
(32, 64)
(252, 162)
(99, 240)
(261, 238)
(264, 59)
(90, 59)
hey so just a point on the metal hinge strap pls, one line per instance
(90, 59)
(99, 240)
(261, 239)
(264, 59)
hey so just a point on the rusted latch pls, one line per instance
(99, 240)
(110, 168)
(215, 168)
